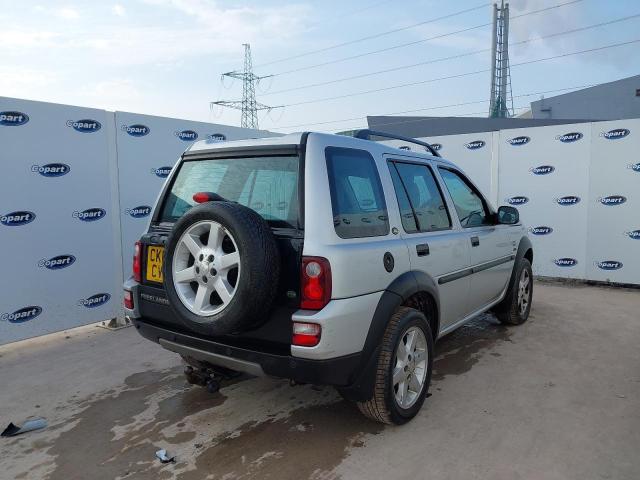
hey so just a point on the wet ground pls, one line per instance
(556, 398)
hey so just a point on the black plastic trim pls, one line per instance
(401, 289)
(338, 371)
(455, 276)
(366, 134)
(494, 263)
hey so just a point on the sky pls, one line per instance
(166, 57)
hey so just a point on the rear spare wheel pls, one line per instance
(221, 268)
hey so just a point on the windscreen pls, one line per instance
(268, 185)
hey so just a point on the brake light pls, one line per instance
(137, 262)
(128, 300)
(306, 334)
(202, 197)
(315, 282)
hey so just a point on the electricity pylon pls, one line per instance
(248, 105)
(501, 99)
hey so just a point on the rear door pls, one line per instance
(436, 246)
(492, 250)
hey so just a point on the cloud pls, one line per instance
(22, 82)
(112, 94)
(118, 10)
(195, 28)
(67, 13)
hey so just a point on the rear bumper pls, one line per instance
(340, 371)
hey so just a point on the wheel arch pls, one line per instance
(413, 289)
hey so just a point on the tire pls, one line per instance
(511, 311)
(384, 405)
(250, 285)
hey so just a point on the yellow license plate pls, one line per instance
(155, 255)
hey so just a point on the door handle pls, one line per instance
(422, 249)
(475, 241)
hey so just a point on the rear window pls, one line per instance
(268, 185)
(357, 200)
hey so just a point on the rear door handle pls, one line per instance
(422, 249)
(475, 241)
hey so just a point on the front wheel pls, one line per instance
(404, 369)
(515, 308)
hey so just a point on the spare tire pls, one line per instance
(221, 268)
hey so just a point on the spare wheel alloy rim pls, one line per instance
(206, 268)
(410, 367)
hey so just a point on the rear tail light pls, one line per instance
(137, 262)
(128, 300)
(306, 334)
(315, 282)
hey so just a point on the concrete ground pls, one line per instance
(556, 398)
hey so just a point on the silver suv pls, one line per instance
(324, 259)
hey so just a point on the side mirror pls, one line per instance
(508, 215)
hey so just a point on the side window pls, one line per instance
(470, 206)
(424, 198)
(357, 199)
(406, 211)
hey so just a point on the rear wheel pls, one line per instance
(403, 370)
(515, 308)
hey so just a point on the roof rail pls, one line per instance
(366, 134)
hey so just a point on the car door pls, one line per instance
(436, 246)
(492, 249)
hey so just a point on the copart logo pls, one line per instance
(565, 262)
(51, 169)
(542, 230)
(542, 170)
(216, 137)
(187, 135)
(612, 200)
(475, 145)
(136, 130)
(58, 262)
(23, 315)
(519, 200)
(94, 300)
(609, 265)
(162, 172)
(635, 234)
(635, 167)
(15, 219)
(568, 200)
(517, 141)
(84, 126)
(138, 212)
(90, 214)
(13, 119)
(569, 137)
(615, 133)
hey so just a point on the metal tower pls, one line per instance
(248, 105)
(501, 99)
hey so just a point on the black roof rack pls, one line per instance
(366, 134)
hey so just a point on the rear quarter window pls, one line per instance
(357, 199)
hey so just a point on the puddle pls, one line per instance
(273, 431)
(309, 443)
(90, 444)
(460, 350)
